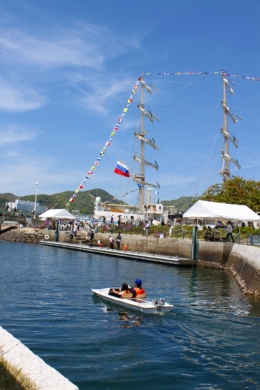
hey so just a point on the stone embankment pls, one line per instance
(29, 235)
(244, 263)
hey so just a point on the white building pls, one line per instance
(26, 206)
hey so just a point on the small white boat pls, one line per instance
(158, 305)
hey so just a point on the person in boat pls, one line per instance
(124, 292)
(139, 290)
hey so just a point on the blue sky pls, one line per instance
(68, 68)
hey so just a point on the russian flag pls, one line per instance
(121, 169)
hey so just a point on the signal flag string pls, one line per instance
(108, 143)
(222, 72)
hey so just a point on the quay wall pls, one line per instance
(30, 235)
(242, 261)
(164, 246)
(42, 375)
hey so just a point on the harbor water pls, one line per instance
(210, 340)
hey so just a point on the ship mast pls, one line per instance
(140, 177)
(227, 159)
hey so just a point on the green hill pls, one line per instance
(7, 197)
(85, 201)
(182, 204)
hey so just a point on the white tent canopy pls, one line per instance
(234, 212)
(57, 213)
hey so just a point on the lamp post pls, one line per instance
(36, 185)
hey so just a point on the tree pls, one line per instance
(235, 191)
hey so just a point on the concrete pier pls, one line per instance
(131, 255)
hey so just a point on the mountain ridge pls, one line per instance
(85, 202)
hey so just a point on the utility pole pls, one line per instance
(35, 199)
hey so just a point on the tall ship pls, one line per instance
(149, 207)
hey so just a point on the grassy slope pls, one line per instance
(12, 379)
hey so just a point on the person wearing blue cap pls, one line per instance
(140, 291)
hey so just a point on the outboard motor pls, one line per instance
(159, 303)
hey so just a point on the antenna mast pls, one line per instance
(225, 171)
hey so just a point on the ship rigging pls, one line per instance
(148, 208)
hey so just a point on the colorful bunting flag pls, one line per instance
(192, 73)
(115, 129)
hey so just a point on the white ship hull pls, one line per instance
(128, 216)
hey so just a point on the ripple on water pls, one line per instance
(208, 341)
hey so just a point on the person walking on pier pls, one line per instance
(230, 231)
(147, 225)
(118, 240)
(71, 235)
(111, 241)
(91, 237)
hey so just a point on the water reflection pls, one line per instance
(208, 341)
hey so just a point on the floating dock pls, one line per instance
(130, 255)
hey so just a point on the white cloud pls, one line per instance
(19, 98)
(14, 134)
(130, 124)
(82, 45)
(18, 174)
(102, 90)
(53, 55)
(249, 162)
